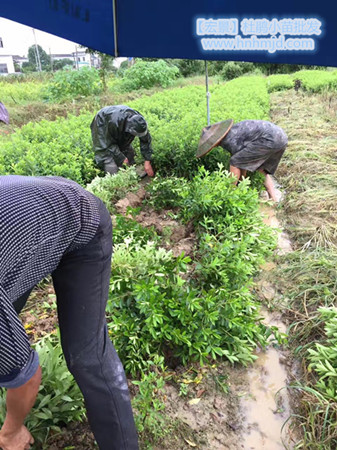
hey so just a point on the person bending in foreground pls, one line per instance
(113, 129)
(50, 225)
(256, 145)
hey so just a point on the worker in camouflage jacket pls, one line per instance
(113, 129)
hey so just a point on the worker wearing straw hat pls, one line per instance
(255, 145)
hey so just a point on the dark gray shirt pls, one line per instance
(259, 133)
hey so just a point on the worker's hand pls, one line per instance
(126, 162)
(148, 168)
(19, 440)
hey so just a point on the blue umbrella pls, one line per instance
(299, 32)
(265, 31)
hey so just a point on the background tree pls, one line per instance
(106, 65)
(60, 63)
(44, 57)
(28, 67)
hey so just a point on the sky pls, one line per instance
(18, 38)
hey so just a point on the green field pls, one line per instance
(174, 312)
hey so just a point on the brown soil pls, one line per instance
(75, 436)
(176, 236)
(132, 200)
(208, 418)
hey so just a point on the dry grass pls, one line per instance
(308, 171)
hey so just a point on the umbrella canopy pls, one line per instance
(274, 32)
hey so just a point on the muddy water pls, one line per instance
(265, 405)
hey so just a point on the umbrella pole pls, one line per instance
(207, 95)
(114, 18)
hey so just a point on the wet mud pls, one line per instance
(266, 404)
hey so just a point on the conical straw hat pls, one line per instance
(212, 135)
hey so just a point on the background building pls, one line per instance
(6, 61)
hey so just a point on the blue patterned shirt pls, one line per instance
(41, 219)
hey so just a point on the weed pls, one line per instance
(148, 403)
(59, 400)
(69, 84)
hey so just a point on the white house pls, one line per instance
(6, 61)
(81, 59)
(20, 60)
(6, 64)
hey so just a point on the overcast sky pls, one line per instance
(18, 38)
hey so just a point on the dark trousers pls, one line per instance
(110, 165)
(81, 284)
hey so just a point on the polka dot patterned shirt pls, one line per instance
(41, 219)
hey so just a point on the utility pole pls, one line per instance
(207, 95)
(51, 61)
(77, 65)
(37, 54)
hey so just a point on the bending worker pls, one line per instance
(255, 145)
(113, 129)
(50, 225)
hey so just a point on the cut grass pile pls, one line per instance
(308, 170)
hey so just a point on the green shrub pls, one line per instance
(126, 228)
(69, 84)
(176, 119)
(153, 310)
(156, 308)
(148, 74)
(323, 356)
(233, 69)
(228, 221)
(149, 401)
(167, 192)
(23, 93)
(279, 82)
(317, 80)
(59, 400)
(189, 67)
(61, 148)
(111, 188)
